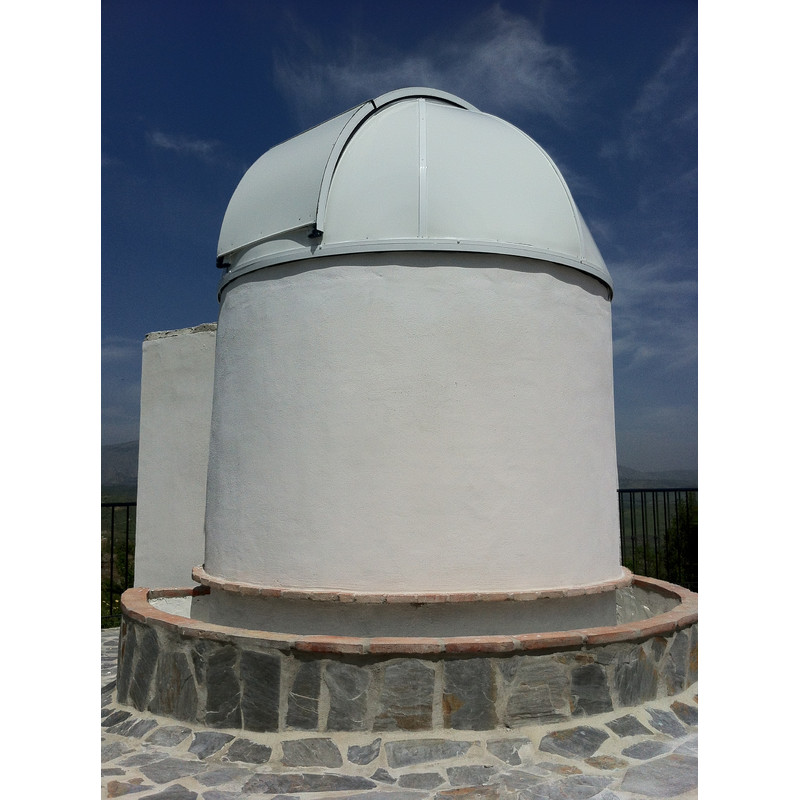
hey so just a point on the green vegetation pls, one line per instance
(118, 493)
(681, 545)
(659, 535)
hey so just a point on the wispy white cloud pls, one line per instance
(184, 145)
(107, 160)
(666, 105)
(674, 71)
(655, 315)
(497, 60)
(114, 349)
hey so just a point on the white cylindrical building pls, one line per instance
(413, 384)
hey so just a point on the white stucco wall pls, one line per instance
(177, 389)
(414, 422)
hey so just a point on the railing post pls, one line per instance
(111, 566)
(127, 541)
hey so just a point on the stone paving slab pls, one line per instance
(648, 752)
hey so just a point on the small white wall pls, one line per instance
(404, 619)
(414, 422)
(177, 390)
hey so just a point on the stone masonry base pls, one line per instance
(259, 684)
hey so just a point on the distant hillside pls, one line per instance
(119, 468)
(669, 479)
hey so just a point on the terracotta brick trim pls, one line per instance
(336, 596)
(136, 605)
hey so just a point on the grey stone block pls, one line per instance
(364, 754)
(144, 667)
(169, 769)
(691, 675)
(582, 742)
(214, 794)
(169, 735)
(219, 775)
(294, 783)
(666, 722)
(589, 689)
(135, 728)
(574, 787)
(261, 690)
(507, 749)
(348, 687)
(658, 646)
(175, 694)
(419, 751)
(311, 753)
(538, 692)
(146, 757)
(647, 749)
(127, 650)
(471, 775)
(606, 762)
(115, 718)
(383, 793)
(223, 697)
(175, 792)
(420, 780)
(677, 665)
(663, 777)
(248, 751)
(518, 783)
(406, 697)
(635, 678)
(206, 743)
(627, 726)
(469, 694)
(685, 713)
(201, 651)
(303, 706)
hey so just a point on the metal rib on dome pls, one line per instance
(414, 169)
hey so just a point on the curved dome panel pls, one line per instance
(415, 169)
(279, 193)
(497, 169)
(374, 194)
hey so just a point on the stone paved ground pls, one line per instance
(650, 752)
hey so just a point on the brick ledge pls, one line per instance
(336, 596)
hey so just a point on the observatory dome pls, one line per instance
(414, 169)
(413, 387)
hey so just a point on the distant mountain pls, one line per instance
(119, 464)
(668, 479)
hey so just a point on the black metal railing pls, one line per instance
(117, 548)
(658, 533)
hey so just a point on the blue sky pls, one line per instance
(194, 92)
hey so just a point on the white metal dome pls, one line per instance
(414, 169)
